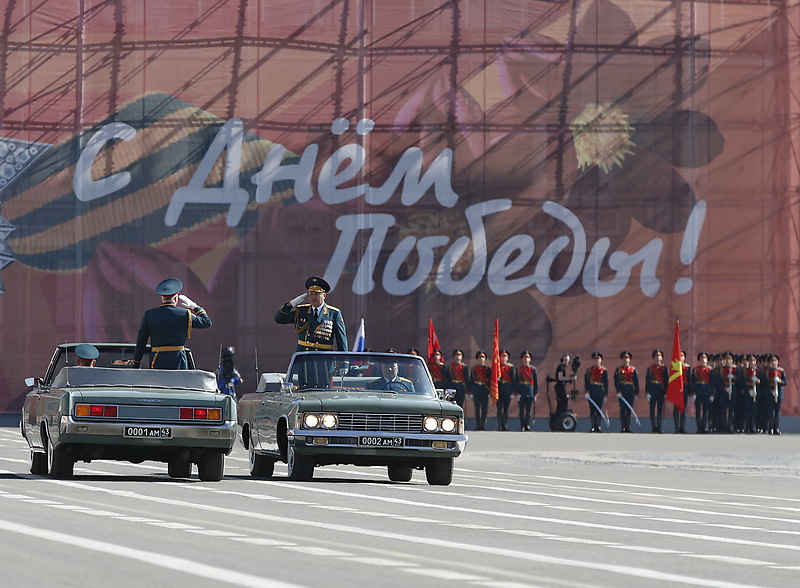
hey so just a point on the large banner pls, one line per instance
(585, 171)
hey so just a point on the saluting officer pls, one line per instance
(318, 325)
(167, 327)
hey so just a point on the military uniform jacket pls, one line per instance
(479, 379)
(596, 380)
(527, 381)
(724, 378)
(656, 380)
(626, 379)
(168, 326)
(321, 333)
(701, 381)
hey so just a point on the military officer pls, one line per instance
(703, 392)
(748, 393)
(626, 382)
(318, 325)
(479, 384)
(595, 384)
(167, 327)
(726, 381)
(656, 389)
(774, 381)
(86, 355)
(527, 382)
(390, 380)
(458, 374)
(505, 388)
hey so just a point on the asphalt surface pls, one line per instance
(524, 509)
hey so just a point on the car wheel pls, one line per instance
(568, 422)
(211, 466)
(179, 469)
(400, 473)
(38, 463)
(260, 465)
(301, 467)
(59, 462)
(439, 471)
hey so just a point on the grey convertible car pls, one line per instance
(364, 409)
(117, 412)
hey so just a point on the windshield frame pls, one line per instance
(358, 371)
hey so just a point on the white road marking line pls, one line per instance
(261, 541)
(214, 533)
(730, 559)
(644, 549)
(171, 525)
(379, 561)
(320, 551)
(445, 575)
(179, 564)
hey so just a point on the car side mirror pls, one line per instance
(31, 382)
(447, 395)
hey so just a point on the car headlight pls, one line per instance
(310, 421)
(329, 421)
(448, 424)
(430, 424)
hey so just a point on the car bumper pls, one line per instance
(320, 442)
(222, 436)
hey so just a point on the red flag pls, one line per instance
(433, 340)
(676, 383)
(494, 391)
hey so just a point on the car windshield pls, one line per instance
(89, 377)
(383, 372)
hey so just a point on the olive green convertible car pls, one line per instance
(115, 411)
(364, 409)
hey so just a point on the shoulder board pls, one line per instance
(332, 308)
(302, 306)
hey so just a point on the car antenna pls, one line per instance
(257, 380)
(66, 360)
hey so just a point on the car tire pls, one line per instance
(439, 471)
(211, 466)
(568, 422)
(260, 465)
(59, 462)
(400, 473)
(179, 469)
(300, 467)
(38, 463)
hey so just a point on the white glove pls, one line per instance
(587, 396)
(648, 397)
(187, 302)
(776, 380)
(619, 395)
(296, 301)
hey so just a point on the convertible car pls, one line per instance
(118, 412)
(364, 409)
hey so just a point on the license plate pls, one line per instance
(148, 432)
(381, 441)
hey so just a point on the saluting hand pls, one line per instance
(187, 302)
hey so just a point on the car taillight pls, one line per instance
(201, 414)
(96, 410)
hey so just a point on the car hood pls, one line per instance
(148, 397)
(375, 402)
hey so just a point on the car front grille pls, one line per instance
(388, 423)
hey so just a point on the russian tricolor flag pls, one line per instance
(359, 343)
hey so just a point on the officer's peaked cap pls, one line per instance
(87, 351)
(169, 287)
(317, 284)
